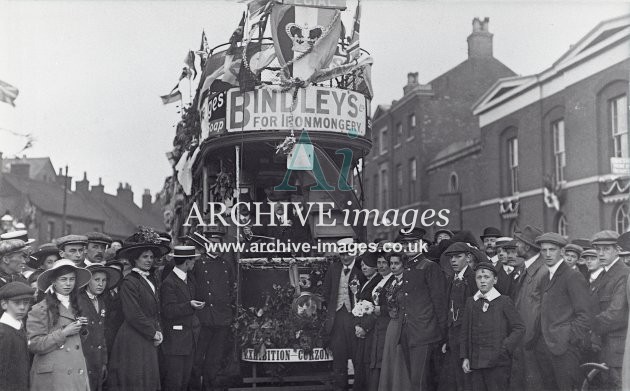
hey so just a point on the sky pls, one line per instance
(90, 73)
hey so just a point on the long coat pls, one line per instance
(58, 364)
(330, 290)
(181, 326)
(94, 343)
(566, 309)
(380, 327)
(528, 296)
(134, 360)
(214, 285)
(367, 322)
(14, 359)
(611, 319)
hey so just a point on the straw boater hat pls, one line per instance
(145, 239)
(113, 275)
(184, 252)
(21, 235)
(62, 266)
(11, 246)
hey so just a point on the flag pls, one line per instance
(190, 63)
(234, 55)
(8, 93)
(204, 47)
(186, 73)
(172, 96)
(353, 48)
(305, 38)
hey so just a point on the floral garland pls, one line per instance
(274, 325)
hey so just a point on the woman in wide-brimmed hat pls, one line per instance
(134, 359)
(53, 327)
(44, 258)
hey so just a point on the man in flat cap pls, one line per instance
(97, 243)
(15, 299)
(565, 317)
(72, 247)
(611, 321)
(459, 288)
(527, 292)
(572, 255)
(13, 256)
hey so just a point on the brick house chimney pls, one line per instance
(480, 41)
(98, 190)
(61, 177)
(82, 186)
(412, 82)
(22, 170)
(146, 199)
(125, 193)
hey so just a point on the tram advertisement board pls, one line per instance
(313, 108)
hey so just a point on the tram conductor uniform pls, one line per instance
(339, 326)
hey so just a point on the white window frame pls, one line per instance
(562, 225)
(618, 111)
(559, 149)
(383, 141)
(622, 218)
(513, 163)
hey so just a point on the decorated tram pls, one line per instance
(279, 123)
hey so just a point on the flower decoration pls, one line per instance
(362, 308)
(287, 145)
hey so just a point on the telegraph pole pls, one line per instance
(65, 202)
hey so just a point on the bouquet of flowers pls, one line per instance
(363, 307)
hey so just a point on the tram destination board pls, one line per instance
(313, 108)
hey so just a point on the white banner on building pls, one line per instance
(314, 109)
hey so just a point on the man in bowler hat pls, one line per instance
(339, 326)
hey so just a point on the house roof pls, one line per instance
(607, 35)
(37, 164)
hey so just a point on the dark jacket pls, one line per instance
(380, 327)
(214, 284)
(133, 363)
(14, 359)
(611, 319)
(457, 294)
(180, 323)
(566, 309)
(330, 289)
(93, 339)
(528, 297)
(423, 306)
(489, 337)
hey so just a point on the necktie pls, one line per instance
(346, 270)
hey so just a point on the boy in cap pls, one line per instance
(15, 298)
(492, 329)
(565, 316)
(611, 320)
(594, 267)
(460, 288)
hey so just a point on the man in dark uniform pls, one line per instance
(423, 309)
(364, 327)
(565, 317)
(611, 320)
(215, 280)
(414, 244)
(181, 325)
(13, 256)
(336, 291)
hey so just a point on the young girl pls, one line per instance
(53, 327)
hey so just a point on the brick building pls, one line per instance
(33, 194)
(429, 123)
(552, 146)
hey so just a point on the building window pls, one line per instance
(561, 225)
(622, 218)
(399, 184)
(513, 164)
(453, 183)
(399, 133)
(50, 231)
(384, 141)
(68, 229)
(412, 180)
(559, 152)
(383, 185)
(411, 125)
(377, 146)
(376, 191)
(619, 125)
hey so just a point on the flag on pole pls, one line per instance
(190, 63)
(172, 96)
(186, 73)
(353, 48)
(204, 47)
(8, 93)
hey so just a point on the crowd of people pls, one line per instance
(502, 313)
(498, 313)
(90, 313)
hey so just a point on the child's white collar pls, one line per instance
(491, 295)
